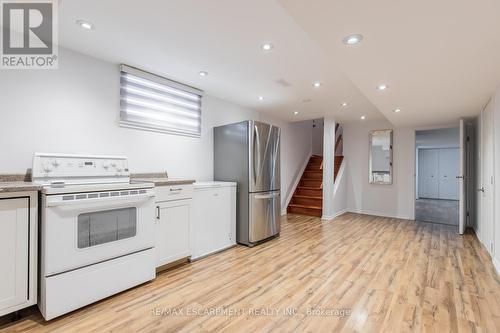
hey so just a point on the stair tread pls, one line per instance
(307, 197)
(304, 206)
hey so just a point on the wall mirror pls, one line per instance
(380, 169)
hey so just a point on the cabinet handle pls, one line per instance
(175, 189)
(157, 212)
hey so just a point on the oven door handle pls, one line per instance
(112, 200)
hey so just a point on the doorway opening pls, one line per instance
(437, 176)
(446, 175)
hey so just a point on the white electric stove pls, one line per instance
(97, 235)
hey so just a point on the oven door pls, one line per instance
(87, 229)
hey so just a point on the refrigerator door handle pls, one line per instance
(275, 172)
(267, 196)
(256, 157)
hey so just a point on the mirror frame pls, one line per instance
(370, 178)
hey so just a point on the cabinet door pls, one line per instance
(172, 231)
(14, 246)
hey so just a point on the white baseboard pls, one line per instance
(377, 213)
(331, 217)
(496, 264)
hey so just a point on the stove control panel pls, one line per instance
(73, 168)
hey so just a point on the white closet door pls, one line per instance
(428, 170)
(449, 169)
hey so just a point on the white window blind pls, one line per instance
(155, 103)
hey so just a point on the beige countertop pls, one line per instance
(159, 179)
(163, 181)
(22, 186)
(19, 183)
(18, 186)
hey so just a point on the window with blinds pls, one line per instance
(154, 103)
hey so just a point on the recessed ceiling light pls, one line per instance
(353, 39)
(85, 25)
(267, 47)
(344, 104)
(295, 112)
(261, 98)
(397, 110)
(317, 84)
(363, 117)
(203, 73)
(382, 87)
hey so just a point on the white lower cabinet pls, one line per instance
(194, 220)
(214, 218)
(17, 253)
(172, 225)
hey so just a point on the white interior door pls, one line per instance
(461, 193)
(449, 169)
(486, 184)
(428, 169)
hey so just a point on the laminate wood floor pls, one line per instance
(355, 273)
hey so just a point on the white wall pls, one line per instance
(317, 136)
(394, 200)
(443, 137)
(75, 109)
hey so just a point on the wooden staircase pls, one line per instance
(308, 196)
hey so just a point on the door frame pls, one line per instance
(415, 158)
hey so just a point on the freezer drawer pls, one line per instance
(264, 219)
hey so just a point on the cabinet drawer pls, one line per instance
(169, 193)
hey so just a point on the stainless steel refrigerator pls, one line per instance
(249, 153)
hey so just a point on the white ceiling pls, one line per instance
(440, 58)
(179, 38)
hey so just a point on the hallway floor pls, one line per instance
(437, 211)
(355, 273)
